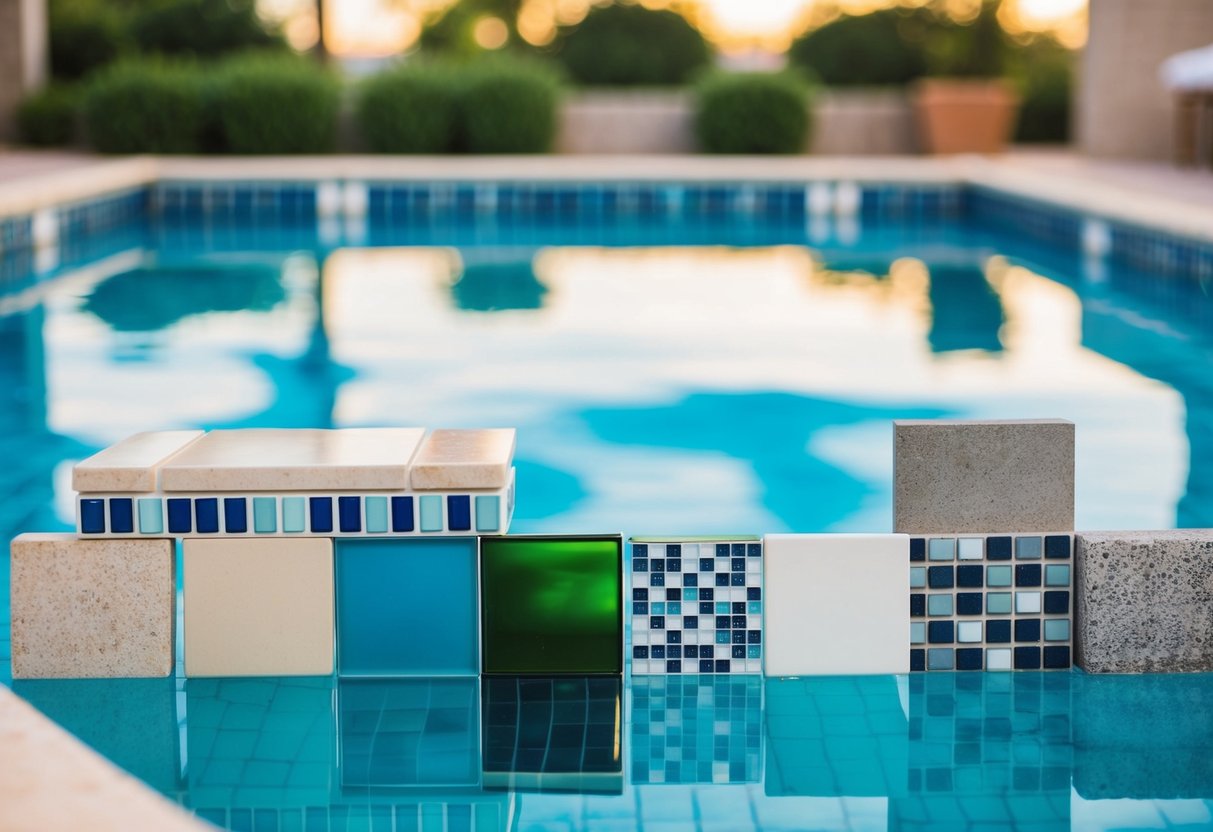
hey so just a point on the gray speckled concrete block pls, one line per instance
(1145, 601)
(983, 477)
(91, 608)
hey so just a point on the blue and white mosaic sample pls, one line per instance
(696, 606)
(991, 602)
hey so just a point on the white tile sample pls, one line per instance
(474, 458)
(836, 604)
(133, 463)
(258, 607)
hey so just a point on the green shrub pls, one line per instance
(48, 117)
(1046, 80)
(200, 27)
(883, 48)
(411, 109)
(977, 49)
(276, 104)
(84, 38)
(752, 113)
(507, 106)
(145, 106)
(620, 45)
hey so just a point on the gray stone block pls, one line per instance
(983, 477)
(1145, 601)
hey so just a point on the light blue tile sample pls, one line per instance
(939, 604)
(1057, 629)
(1029, 548)
(918, 632)
(488, 513)
(998, 603)
(940, 658)
(918, 577)
(265, 515)
(431, 513)
(151, 516)
(407, 607)
(294, 514)
(941, 548)
(376, 514)
(1057, 574)
(998, 576)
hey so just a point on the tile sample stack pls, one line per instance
(990, 506)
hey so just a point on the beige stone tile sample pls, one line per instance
(133, 463)
(260, 459)
(983, 476)
(91, 608)
(456, 459)
(258, 607)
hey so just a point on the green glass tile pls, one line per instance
(998, 576)
(552, 604)
(265, 515)
(918, 577)
(941, 548)
(151, 517)
(1057, 574)
(998, 603)
(293, 514)
(1057, 629)
(376, 514)
(431, 513)
(939, 605)
(488, 513)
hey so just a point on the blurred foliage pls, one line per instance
(1044, 72)
(48, 117)
(752, 113)
(976, 49)
(204, 28)
(883, 48)
(409, 109)
(507, 105)
(84, 37)
(626, 45)
(451, 31)
(145, 105)
(269, 103)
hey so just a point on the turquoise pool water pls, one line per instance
(731, 375)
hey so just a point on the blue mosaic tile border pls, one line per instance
(16, 233)
(268, 202)
(106, 213)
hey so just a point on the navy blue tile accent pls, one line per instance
(739, 651)
(657, 651)
(753, 550)
(656, 622)
(235, 515)
(918, 659)
(640, 594)
(673, 666)
(722, 665)
(690, 651)
(998, 632)
(206, 515)
(970, 576)
(673, 594)
(722, 579)
(640, 652)
(969, 658)
(641, 565)
(1057, 657)
(349, 514)
(640, 608)
(180, 519)
(459, 512)
(122, 515)
(737, 579)
(918, 548)
(918, 605)
(738, 550)
(673, 565)
(673, 637)
(753, 636)
(706, 565)
(321, 509)
(1027, 658)
(673, 550)
(402, 514)
(657, 579)
(640, 550)
(690, 579)
(657, 564)
(1027, 629)
(92, 516)
(705, 607)
(706, 665)
(690, 622)
(1057, 546)
(939, 577)
(969, 603)
(737, 564)
(722, 551)
(998, 548)
(941, 632)
(1057, 603)
(753, 593)
(1027, 574)
(707, 594)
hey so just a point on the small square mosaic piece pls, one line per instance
(696, 606)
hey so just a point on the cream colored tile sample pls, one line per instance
(453, 459)
(91, 608)
(836, 604)
(132, 464)
(295, 460)
(261, 607)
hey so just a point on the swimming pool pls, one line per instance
(716, 371)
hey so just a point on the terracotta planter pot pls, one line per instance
(960, 116)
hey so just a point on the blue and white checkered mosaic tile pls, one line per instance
(696, 606)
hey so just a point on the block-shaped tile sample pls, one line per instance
(402, 733)
(552, 604)
(995, 602)
(91, 608)
(258, 607)
(982, 477)
(458, 459)
(696, 729)
(835, 604)
(696, 606)
(553, 733)
(408, 607)
(257, 459)
(1145, 601)
(132, 464)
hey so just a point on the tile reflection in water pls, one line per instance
(553, 733)
(696, 729)
(409, 732)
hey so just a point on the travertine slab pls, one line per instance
(983, 476)
(91, 608)
(258, 607)
(1145, 601)
(478, 458)
(836, 604)
(133, 463)
(294, 460)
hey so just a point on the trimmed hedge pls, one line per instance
(881, 48)
(276, 104)
(48, 117)
(84, 38)
(204, 28)
(506, 106)
(620, 45)
(409, 109)
(145, 106)
(752, 113)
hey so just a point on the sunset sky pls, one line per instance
(383, 27)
